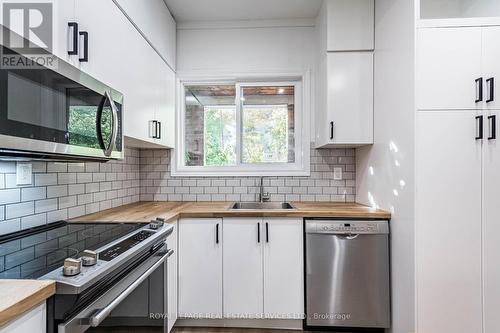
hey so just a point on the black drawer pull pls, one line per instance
(479, 90)
(479, 127)
(85, 57)
(493, 127)
(74, 29)
(491, 89)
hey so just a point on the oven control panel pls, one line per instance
(114, 251)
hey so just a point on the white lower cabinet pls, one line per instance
(200, 268)
(448, 226)
(491, 229)
(254, 272)
(33, 321)
(172, 274)
(243, 285)
(283, 268)
(263, 268)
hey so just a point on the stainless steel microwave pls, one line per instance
(58, 112)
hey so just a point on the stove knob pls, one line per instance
(154, 225)
(72, 267)
(89, 258)
(161, 221)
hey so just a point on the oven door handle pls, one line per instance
(103, 313)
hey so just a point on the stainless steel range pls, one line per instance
(106, 275)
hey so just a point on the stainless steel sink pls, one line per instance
(262, 205)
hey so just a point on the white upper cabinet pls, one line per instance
(283, 268)
(350, 98)
(154, 20)
(350, 24)
(242, 264)
(200, 268)
(120, 56)
(491, 66)
(434, 9)
(344, 94)
(449, 68)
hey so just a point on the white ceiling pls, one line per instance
(235, 10)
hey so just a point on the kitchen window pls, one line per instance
(243, 128)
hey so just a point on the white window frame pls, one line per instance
(302, 112)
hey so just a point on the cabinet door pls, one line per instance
(165, 111)
(243, 285)
(491, 66)
(350, 97)
(448, 63)
(63, 37)
(350, 25)
(283, 268)
(448, 225)
(200, 268)
(33, 321)
(491, 230)
(172, 278)
(121, 58)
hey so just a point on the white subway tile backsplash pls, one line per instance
(66, 178)
(76, 189)
(10, 196)
(33, 221)
(45, 179)
(57, 167)
(66, 202)
(33, 193)
(57, 191)
(20, 209)
(47, 205)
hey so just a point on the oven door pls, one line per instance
(57, 112)
(121, 306)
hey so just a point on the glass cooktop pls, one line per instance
(33, 253)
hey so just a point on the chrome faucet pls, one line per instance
(263, 197)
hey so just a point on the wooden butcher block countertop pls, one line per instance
(19, 296)
(170, 211)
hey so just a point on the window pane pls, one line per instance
(268, 124)
(210, 125)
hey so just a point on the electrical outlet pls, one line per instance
(24, 173)
(337, 173)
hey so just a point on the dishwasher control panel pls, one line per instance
(347, 227)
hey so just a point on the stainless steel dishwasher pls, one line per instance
(347, 274)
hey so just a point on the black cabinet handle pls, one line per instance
(85, 57)
(331, 130)
(493, 127)
(479, 125)
(267, 232)
(153, 129)
(491, 85)
(258, 232)
(158, 133)
(217, 233)
(479, 90)
(74, 27)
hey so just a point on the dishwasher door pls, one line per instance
(347, 274)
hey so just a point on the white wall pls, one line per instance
(251, 47)
(385, 171)
(230, 48)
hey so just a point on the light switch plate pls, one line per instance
(24, 173)
(337, 173)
